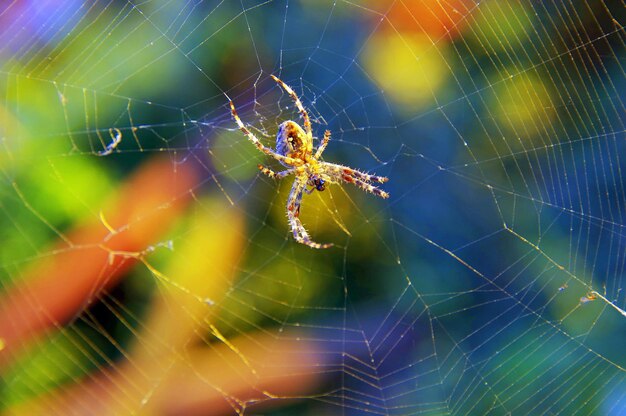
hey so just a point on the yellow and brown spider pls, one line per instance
(294, 149)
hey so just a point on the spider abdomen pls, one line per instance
(292, 141)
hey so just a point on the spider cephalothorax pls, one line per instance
(294, 149)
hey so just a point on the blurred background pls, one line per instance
(147, 267)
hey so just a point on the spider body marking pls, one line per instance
(294, 150)
(292, 141)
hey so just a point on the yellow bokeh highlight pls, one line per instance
(409, 68)
(522, 108)
(191, 285)
(321, 212)
(499, 26)
(330, 216)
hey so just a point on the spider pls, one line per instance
(294, 150)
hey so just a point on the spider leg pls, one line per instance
(305, 115)
(322, 147)
(288, 160)
(275, 175)
(293, 215)
(344, 170)
(364, 185)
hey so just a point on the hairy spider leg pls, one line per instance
(364, 185)
(322, 147)
(288, 160)
(293, 213)
(344, 170)
(303, 113)
(275, 175)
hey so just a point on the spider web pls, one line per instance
(147, 265)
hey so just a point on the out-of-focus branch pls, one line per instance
(60, 285)
(179, 361)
